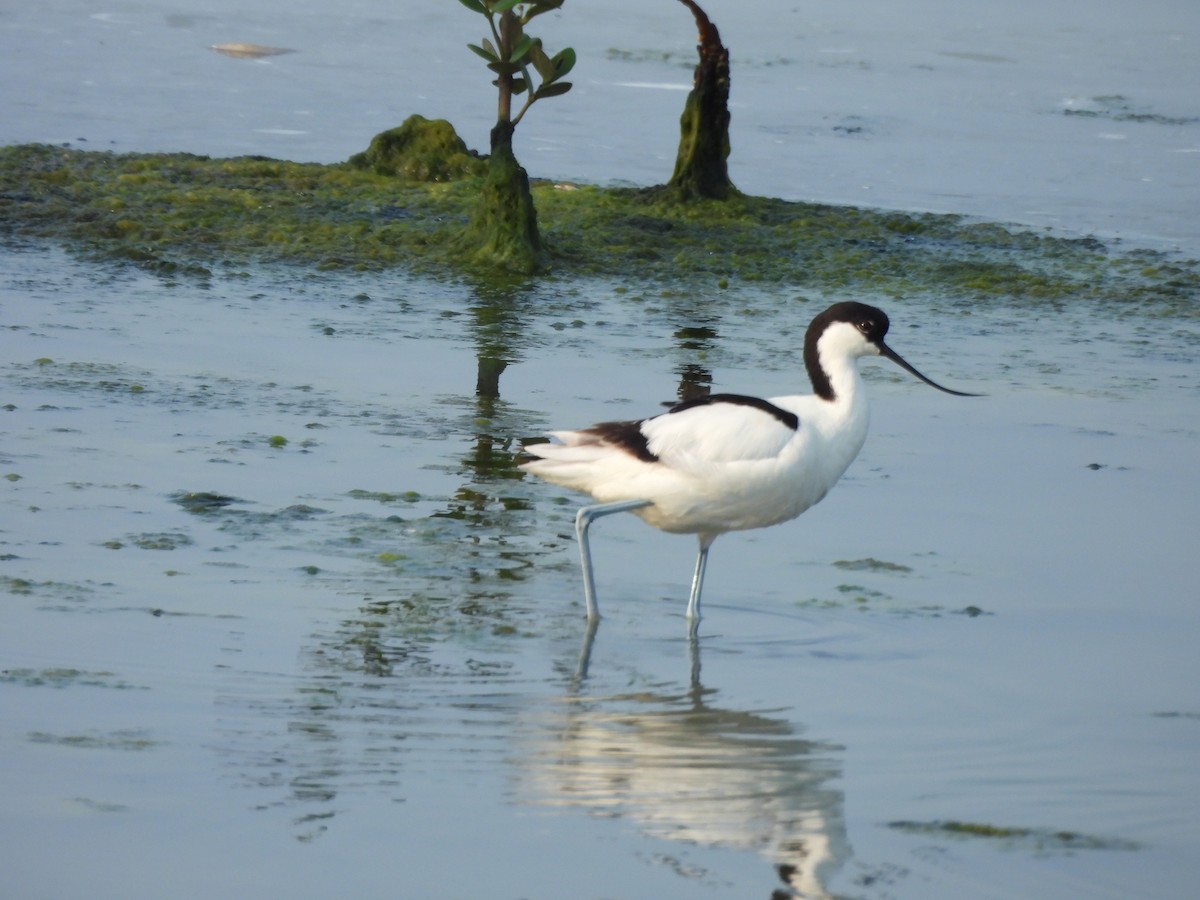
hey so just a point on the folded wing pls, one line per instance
(719, 428)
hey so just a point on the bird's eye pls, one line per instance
(864, 326)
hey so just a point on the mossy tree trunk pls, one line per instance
(700, 168)
(503, 229)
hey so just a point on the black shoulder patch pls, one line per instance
(791, 420)
(626, 435)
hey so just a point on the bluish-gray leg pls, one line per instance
(583, 520)
(585, 655)
(693, 607)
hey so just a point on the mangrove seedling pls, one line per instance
(503, 230)
(700, 167)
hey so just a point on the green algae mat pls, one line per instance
(192, 215)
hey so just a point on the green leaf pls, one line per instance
(537, 7)
(489, 56)
(552, 90)
(504, 5)
(564, 62)
(504, 68)
(519, 85)
(474, 6)
(541, 61)
(524, 45)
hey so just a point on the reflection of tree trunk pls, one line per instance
(694, 381)
(498, 323)
(700, 167)
(487, 379)
(694, 340)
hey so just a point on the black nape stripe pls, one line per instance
(871, 322)
(791, 420)
(626, 435)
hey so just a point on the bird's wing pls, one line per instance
(719, 428)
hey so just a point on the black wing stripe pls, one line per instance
(791, 420)
(626, 435)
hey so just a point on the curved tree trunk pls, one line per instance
(700, 167)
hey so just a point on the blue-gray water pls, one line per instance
(275, 621)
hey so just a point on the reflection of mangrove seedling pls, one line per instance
(503, 230)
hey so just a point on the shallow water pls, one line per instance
(278, 617)
(351, 659)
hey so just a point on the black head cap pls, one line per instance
(873, 323)
(870, 320)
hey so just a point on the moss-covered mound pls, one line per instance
(178, 211)
(420, 150)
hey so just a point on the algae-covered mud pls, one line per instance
(184, 213)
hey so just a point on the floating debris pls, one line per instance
(1118, 108)
(123, 739)
(249, 51)
(158, 541)
(1039, 839)
(202, 502)
(63, 677)
(871, 565)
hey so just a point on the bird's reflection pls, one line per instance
(685, 769)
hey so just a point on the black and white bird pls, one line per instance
(728, 462)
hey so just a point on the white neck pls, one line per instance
(838, 352)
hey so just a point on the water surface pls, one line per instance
(278, 615)
(272, 584)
